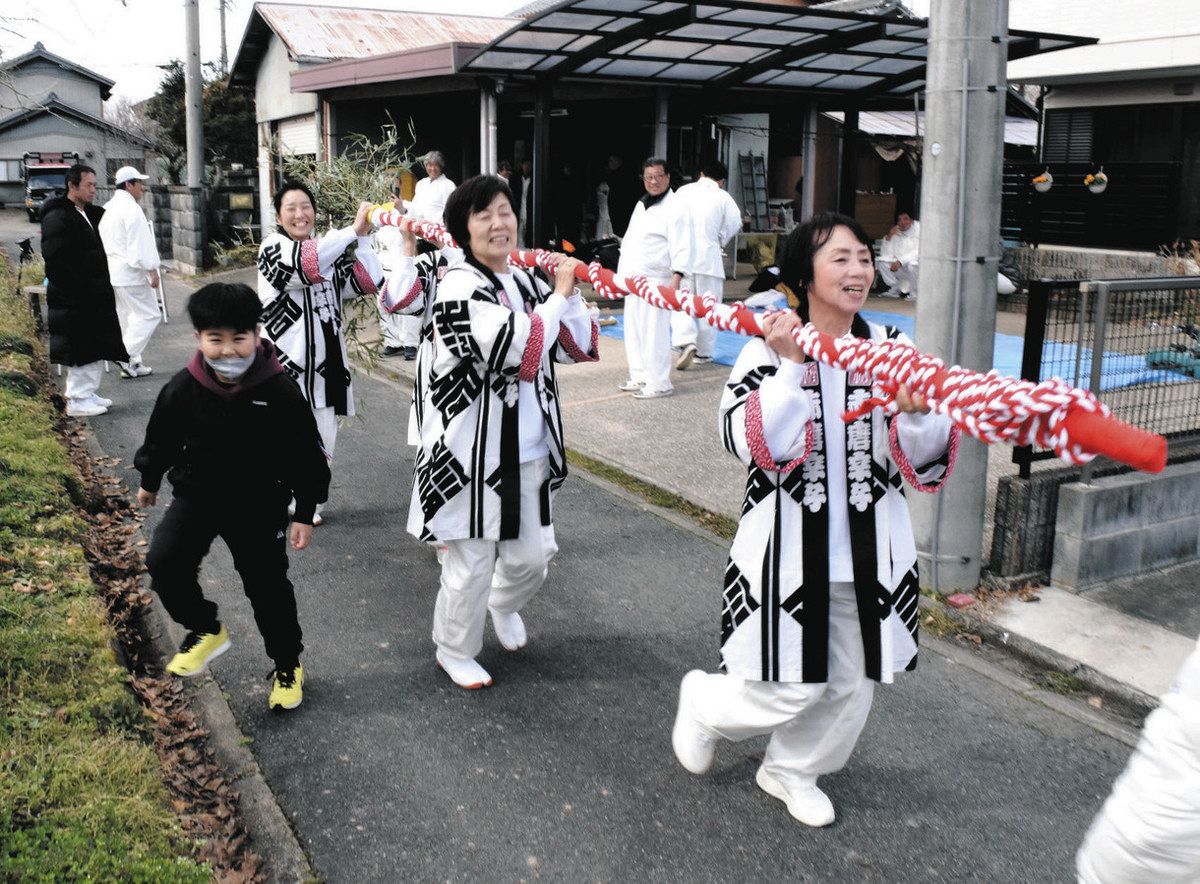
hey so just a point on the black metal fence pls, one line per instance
(1135, 343)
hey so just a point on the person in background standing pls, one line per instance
(705, 219)
(645, 251)
(81, 306)
(132, 266)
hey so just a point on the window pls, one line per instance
(10, 170)
(1068, 136)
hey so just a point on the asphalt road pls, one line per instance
(564, 770)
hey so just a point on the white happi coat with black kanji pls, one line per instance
(410, 290)
(774, 621)
(302, 286)
(467, 474)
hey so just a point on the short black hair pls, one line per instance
(715, 170)
(224, 305)
(504, 166)
(473, 195)
(655, 161)
(293, 184)
(795, 256)
(76, 172)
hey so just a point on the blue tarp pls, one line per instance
(1119, 369)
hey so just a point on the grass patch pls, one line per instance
(1060, 683)
(722, 526)
(81, 791)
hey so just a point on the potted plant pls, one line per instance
(1043, 182)
(1096, 182)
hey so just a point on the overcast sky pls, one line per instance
(126, 41)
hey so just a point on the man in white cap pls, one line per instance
(133, 266)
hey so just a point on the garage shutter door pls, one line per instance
(298, 135)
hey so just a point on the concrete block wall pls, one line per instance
(189, 239)
(1124, 525)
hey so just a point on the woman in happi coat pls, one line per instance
(492, 454)
(302, 281)
(410, 290)
(821, 592)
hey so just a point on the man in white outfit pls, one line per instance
(645, 251)
(705, 219)
(897, 261)
(133, 267)
(402, 333)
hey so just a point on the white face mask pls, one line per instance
(233, 367)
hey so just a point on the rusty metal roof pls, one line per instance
(329, 32)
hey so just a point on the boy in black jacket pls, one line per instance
(240, 442)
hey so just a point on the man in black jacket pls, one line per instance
(240, 441)
(84, 330)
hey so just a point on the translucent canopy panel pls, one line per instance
(732, 44)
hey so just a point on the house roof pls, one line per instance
(737, 44)
(52, 105)
(328, 33)
(41, 52)
(1136, 58)
(901, 125)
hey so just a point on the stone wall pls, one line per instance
(1120, 526)
(1026, 518)
(189, 240)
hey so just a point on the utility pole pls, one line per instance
(193, 95)
(224, 48)
(962, 160)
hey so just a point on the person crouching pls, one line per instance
(212, 427)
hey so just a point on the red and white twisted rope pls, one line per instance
(989, 406)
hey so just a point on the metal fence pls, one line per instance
(1135, 343)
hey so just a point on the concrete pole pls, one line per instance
(194, 95)
(660, 123)
(808, 193)
(224, 45)
(962, 162)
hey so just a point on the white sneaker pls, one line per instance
(141, 369)
(510, 629)
(652, 394)
(317, 520)
(695, 746)
(84, 408)
(101, 401)
(805, 802)
(685, 357)
(631, 386)
(464, 673)
(702, 360)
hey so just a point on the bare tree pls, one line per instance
(131, 117)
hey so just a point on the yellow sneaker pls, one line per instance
(288, 690)
(197, 651)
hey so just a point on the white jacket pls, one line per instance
(705, 219)
(128, 241)
(904, 246)
(429, 198)
(1149, 829)
(646, 246)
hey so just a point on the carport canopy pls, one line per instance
(729, 44)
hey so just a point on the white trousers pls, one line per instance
(327, 427)
(686, 330)
(648, 342)
(813, 727)
(478, 574)
(83, 380)
(137, 311)
(398, 329)
(904, 279)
